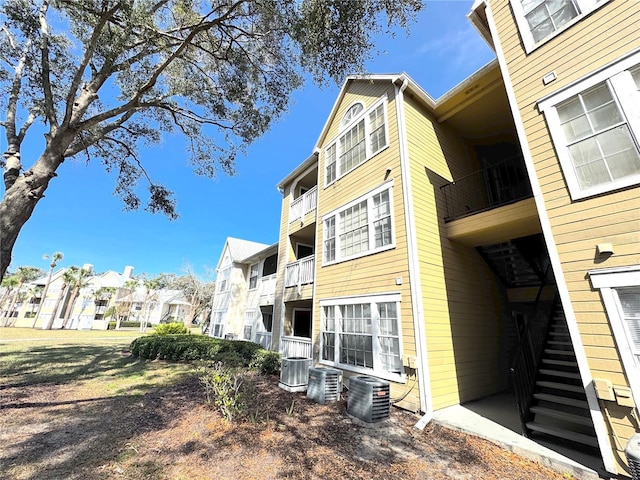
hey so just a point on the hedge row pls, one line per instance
(232, 353)
(126, 324)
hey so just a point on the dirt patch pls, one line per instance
(65, 432)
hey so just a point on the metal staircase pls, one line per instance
(559, 405)
(510, 265)
(546, 380)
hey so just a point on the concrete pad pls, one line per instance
(496, 419)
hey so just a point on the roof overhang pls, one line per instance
(313, 158)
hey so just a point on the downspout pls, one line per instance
(422, 361)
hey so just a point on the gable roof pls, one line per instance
(398, 79)
(240, 249)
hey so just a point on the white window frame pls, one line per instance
(224, 277)
(252, 277)
(250, 317)
(370, 222)
(626, 96)
(220, 316)
(607, 280)
(585, 7)
(373, 300)
(345, 128)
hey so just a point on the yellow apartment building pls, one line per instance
(572, 76)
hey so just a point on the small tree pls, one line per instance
(9, 285)
(198, 291)
(123, 309)
(151, 287)
(23, 275)
(76, 279)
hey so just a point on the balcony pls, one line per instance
(502, 183)
(300, 272)
(296, 347)
(268, 286)
(303, 205)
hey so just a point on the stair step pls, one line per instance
(564, 363)
(552, 351)
(572, 402)
(561, 386)
(560, 334)
(561, 433)
(559, 373)
(559, 342)
(559, 414)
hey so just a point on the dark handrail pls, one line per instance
(499, 184)
(527, 358)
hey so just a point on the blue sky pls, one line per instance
(80, 217)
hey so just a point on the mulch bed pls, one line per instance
(63, 432)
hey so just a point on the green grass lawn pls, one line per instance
(97, 360)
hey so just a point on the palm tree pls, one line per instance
(77, 279)
(61, 295)
(123, 309)
(55, 258)
(151, 285)
(9, 284)
(22, 276)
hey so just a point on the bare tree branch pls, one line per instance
(49, 110)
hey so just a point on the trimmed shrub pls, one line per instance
(111, 326)
(231, 353)
(174, 328)
(266, 362)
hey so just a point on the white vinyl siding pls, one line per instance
(541, 20)
(363, 135)
(362, 334)
(362, 227)
(595, 126)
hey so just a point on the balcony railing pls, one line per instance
(296, 347)
(300, 272)
(304, 204)
(264, 339)
(268, 285)
(500, 184)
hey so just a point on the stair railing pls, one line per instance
(527, 358)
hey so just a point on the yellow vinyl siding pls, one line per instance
(460, 300)
(377, 272)
(577, 226)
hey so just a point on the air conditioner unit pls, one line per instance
(369, 399)
(633, 456)
(325, 384)
(294, 373)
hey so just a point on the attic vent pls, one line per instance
(325, 384)
(369, 399)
